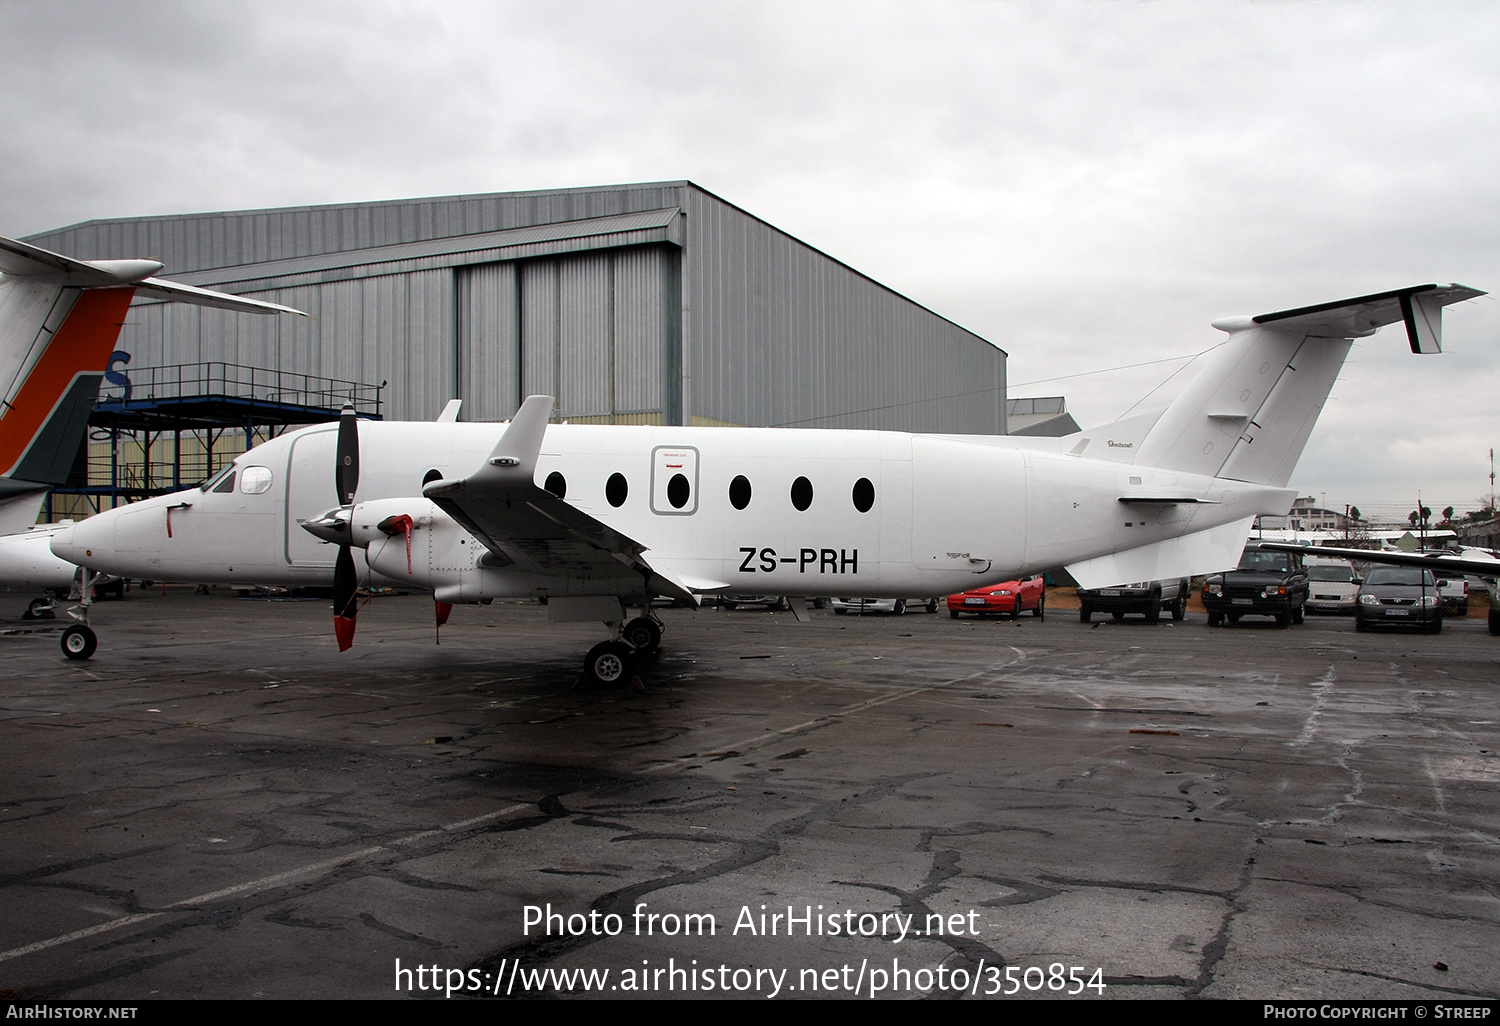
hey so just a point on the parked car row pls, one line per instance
(1267, 582)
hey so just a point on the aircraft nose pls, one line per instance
(63, 544)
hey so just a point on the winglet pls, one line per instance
(522, 442)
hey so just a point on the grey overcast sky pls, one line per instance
(1086, 184)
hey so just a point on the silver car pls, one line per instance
(1399, 596)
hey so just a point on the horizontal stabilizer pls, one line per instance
(1419, 307)
(157, 288)
(23, 260)
(1203, 552)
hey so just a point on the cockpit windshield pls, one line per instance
(213, 484)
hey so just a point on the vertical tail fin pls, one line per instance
(1248, 412)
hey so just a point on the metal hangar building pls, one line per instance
(633, 304)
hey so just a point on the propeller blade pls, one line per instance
(346, 478)
(345, 598)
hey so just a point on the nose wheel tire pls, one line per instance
(79, 641)
(643, 635)
(609, 664)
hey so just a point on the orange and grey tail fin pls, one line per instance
(59, 320)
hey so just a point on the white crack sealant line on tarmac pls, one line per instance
(264, 882)
(750, 744)
(1321, 689)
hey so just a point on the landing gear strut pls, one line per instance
(612, 663)
(79, 641)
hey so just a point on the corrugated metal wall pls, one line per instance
(780, 334)
(742, 325)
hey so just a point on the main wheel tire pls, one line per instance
(900, 607)
(79, 641)
(1084, 613)
(38, 609)
(932, 605)
(781, 605)
(643, 635)
(609, 664)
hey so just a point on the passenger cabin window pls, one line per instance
(864, 495)
(802, 492)
(616, 489)
(739, 492)
(255, 480)
(679, 491)
(557, 484)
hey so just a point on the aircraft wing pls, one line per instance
(1419, 306)
(534, 531)
(1431, 561)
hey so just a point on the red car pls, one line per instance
(1011, 597)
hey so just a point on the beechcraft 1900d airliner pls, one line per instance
(598, 518)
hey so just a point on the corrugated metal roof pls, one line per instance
(452, 251)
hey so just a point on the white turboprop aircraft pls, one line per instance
(59, 321)
(597, 517)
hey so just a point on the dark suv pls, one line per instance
(1266, 583)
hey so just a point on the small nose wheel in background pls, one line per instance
(79, 641)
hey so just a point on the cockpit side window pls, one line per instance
(212, 484)
(254, 480)
(227, 484)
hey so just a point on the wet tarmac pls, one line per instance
(219, 804)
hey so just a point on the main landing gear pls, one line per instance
(612, 663)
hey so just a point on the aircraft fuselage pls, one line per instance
(792, 512)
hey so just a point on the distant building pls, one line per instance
(657, 303)
(1307, 515)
